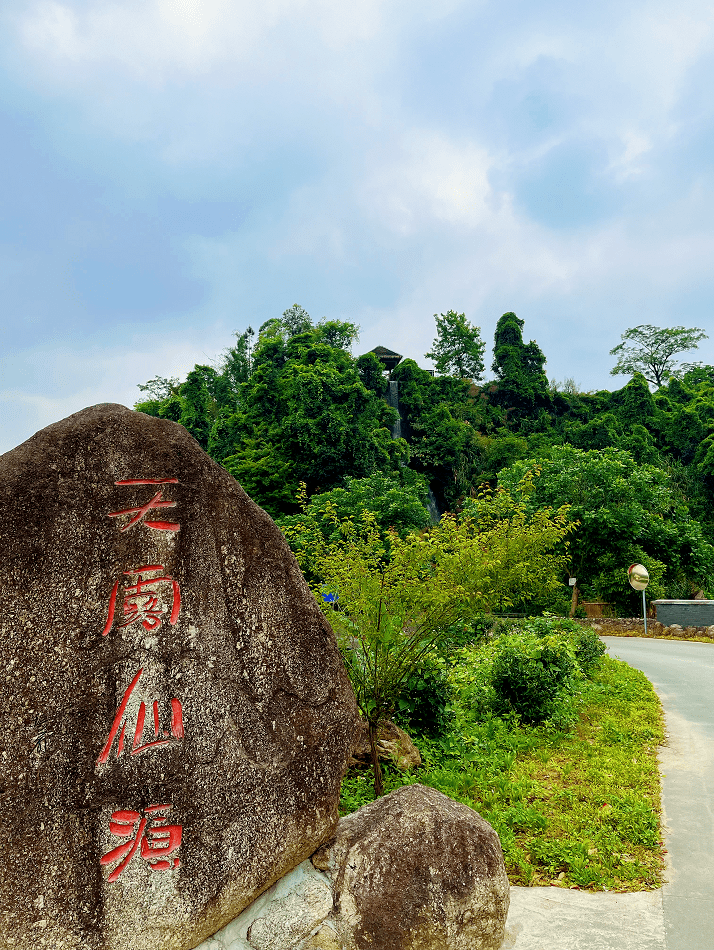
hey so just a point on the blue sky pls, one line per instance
(172, 171)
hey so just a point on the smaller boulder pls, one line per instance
(393, 744)
(415, 870)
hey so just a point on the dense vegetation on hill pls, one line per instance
(292, 405)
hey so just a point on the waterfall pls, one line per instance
(432, 508)
(395, 430)
(392, 398)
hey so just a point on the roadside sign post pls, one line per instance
(572, 581)
(639, 579)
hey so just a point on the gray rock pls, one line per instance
(289, 912)
(175, 716)
(416, 871)
(411, 871)
(393, 744)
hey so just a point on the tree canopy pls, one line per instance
(520, 377)
(651, 351)
(290, 405)
(625, 512)
(457, 349)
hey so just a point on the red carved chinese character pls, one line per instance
(141, 604)
(141, 511)
(161, 736)
(150, 833)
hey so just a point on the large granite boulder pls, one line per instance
(174, 714)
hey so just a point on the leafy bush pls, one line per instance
(589, 650)
(587, 646)
(475, 629)
(423, 706)
(528, 674)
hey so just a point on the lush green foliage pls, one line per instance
(292, 408)
(290, 404)
(575, 799)
(424, 705)
(390, 599)
(521, 381)
(397, 501)
(626, 513)
(528, 675)
(458, 348)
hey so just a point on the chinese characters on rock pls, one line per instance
(150, 833)
(142, 602)
(161, 737)
(139, 513)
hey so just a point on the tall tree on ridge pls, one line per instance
(458, 348)
(522, 382)
(651, 350)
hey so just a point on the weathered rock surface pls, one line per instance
(417, 871)
(393, 744)
(174, 713)
(411, 871)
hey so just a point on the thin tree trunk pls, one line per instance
(376, 768)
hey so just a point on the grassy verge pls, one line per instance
(575, 805)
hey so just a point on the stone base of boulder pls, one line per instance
(411, 871)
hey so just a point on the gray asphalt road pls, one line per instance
(680, 916)
(683, 675)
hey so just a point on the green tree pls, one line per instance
(522, 384)
(397, 500)
(371, 372)
(457, 349)
(199, 402)
(627, 512)
(651, 351)
(159, 388)
(304, 415)
(237, 360)
(391, 600)
(339, 333)
(296, 320)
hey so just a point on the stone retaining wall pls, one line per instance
(634, 627)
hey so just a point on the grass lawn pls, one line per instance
(576, 802)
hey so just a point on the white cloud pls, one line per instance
(157, 40)
(49, 382)
(421, 177)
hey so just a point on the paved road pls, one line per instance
(680, 916)
(683, 675)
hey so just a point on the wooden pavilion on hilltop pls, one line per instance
(388, 358)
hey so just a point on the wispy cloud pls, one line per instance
(191, 166)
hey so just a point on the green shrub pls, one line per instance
(529, 673)
(423, 706)
(589, 650)
(475, 629)
(587, 646)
